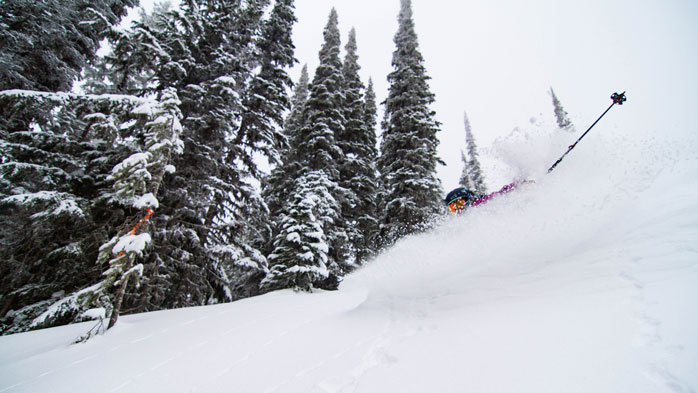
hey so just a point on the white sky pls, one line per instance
(497, 59)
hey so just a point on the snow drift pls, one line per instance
(585, 281)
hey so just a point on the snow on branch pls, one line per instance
(63, 98)
(146, 201)
(64, 203)
(132, 243)
(69, 305)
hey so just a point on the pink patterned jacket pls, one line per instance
(504, 190)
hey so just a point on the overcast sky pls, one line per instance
(496, 60)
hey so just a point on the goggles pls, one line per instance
(458, 205)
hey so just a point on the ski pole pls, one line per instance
(617, 99)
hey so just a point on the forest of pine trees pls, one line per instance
(131, 181)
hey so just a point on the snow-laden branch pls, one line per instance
(66, 97)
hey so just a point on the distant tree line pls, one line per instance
(142, 189)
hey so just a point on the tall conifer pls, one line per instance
(358, 172)
(408, 161)
(472, 166)
(294, 122)
(324, 110)
(317, 147)
(276, 185)
(560, 114)
(370, 110)
(464, 179)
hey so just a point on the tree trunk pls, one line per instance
(117, 304)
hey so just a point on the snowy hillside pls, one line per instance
(586, 281)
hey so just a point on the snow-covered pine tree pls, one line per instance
(464, 179)
(560, 114)
(226, 60)
(370, 221)
(358, 175)
(264, 100)
(472, 168)
(408, 160)
(56, 207)
(294, 121)
(324, 109)
(45, 44)
(316, 143)
(162, 49)
(276, 186)
(136, 182)
(371, 110)
(301, 251)
(233, 208)
(44, 206)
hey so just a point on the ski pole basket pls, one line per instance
(618, 98)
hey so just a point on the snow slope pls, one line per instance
(586, 281)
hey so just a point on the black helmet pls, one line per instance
(459, 193)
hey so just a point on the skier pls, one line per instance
(461, 198)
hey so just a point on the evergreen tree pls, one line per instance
(370, 110)
(369, 222)
(317, 143)
(264, 100)
(464, 179)
(408, 160)
(226, 60)
(560, 114)
(324, 109)
(315, 147)
(172, 49)
(301, 251)
(275, 188)
(45, 204)
(136, 182)
(45, 44)
(294, 121)
(472, 170)
(358, 172)
(56, 204)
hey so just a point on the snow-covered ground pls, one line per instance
(586, 281)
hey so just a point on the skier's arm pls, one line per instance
(504, 190)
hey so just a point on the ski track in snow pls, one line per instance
(649, 335)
